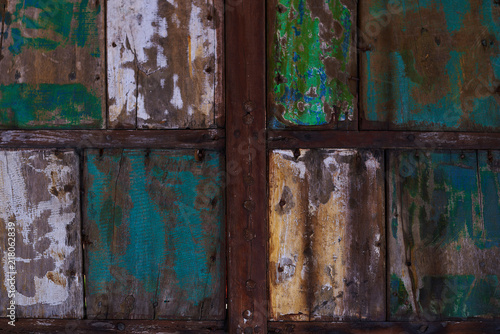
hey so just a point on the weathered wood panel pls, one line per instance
(52, 71)
(444, 239)
(165, 63)
(430, 65)
(327, 236)
(154, 233)
(312, 58)
(39, 193)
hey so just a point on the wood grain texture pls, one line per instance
(51, 64)
(312, 58)
(165, 63)
(39, 192)
(463, 327)
(327, 236)
(444, 235)
(196, 139)
(430, 65)
(283, 139)
(51, 326)
(246, 166)
(154, 227)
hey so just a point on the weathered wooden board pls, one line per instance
(327, 235)
(430, 65)
(165, 63)
(39, 193)
(444, 235)
(312, 59)
(52, 71)
(154, 234)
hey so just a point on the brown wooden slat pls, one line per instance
(382, 139)
(114, 138)
(246, 166)
(34, 326)
(385, 327)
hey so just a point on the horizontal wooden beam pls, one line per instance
(382, 140)
(111, 326)
(207, 139)
(464, 327)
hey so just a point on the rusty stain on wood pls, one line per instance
(155, 223)
(52, 75)
(165, 63)
(444, 236)
(39, 193)
(430, 65)
(327, 236)
(312, 76)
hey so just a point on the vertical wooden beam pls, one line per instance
(246, 166)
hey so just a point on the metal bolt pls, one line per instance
(247, 314)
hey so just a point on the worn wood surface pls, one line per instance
(430, 65)
(154, 234)
(51, 64)
(312, 59)
(382, 139)
(196, 139)
(246, 166)
(327, 236)
(36, 326)
(444, 235)
(165, 63)
(463, 327)
(39, 192)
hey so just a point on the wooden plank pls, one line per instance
(154, 229)
(196, 139)
(50, 326)
(165, 63)
(39, 194)
(463, 327)
(443, 240)
(246, 166)
(430, 65)
(382, 139)
(52, 65)
(312, 58)
(327, 236)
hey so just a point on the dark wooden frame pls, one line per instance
(247, 144)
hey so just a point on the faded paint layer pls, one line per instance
(164, 63)
(155, 226)
(50, 60)
(39, 193)
(444, 244)
(326, 243)
(312, 63)
(431, 65)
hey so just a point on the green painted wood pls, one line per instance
(154, 231)
(312, 63)
(52, 71)
(444, 240)
(430, 65)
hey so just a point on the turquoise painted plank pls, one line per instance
(51, 65)
(444, 249)
(155, 222)
(431, 65)
(312, 63)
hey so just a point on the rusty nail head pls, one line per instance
(120, 326)
(199, 155)
(257, 329)
(249, 236)
(248, 330)
(250, 284)
(249, 205)
(249, 106)
(411, 138)
(248, 119)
